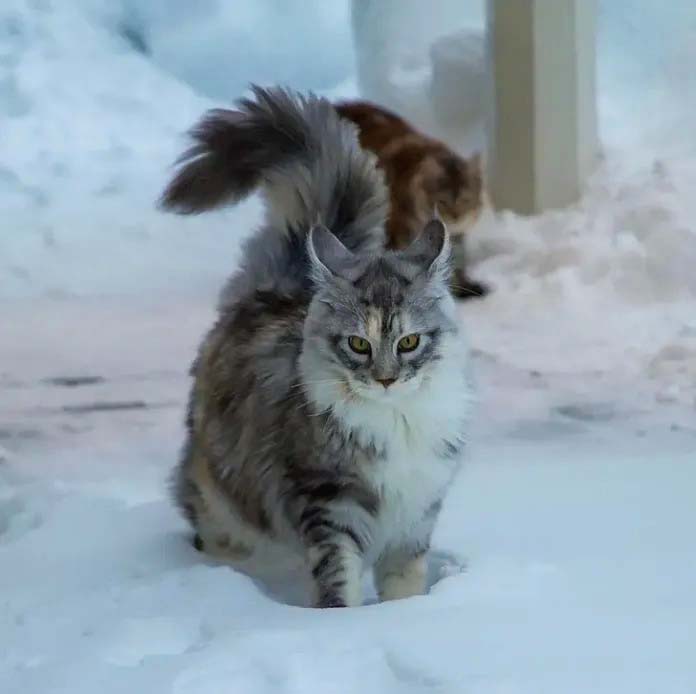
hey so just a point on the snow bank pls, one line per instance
(647, 85)
(219, 47)
(90, 128)
(631, 237)
(404, 58)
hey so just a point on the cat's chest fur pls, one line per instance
(409, 484)
(420, 450)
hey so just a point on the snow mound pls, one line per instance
(219, 47)
(631, 237)
(458, 86)
(90, 130)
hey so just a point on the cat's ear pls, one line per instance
(431, 250)
(328, 256)
(476, 163)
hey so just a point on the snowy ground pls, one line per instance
(565, 560)
(573, 519)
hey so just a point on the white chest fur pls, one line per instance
(417, 468)
(420, 434)
(409, 482)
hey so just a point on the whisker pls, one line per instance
(318, 382)
(321, 413)
(461, 288)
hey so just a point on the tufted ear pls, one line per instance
(329, 257)
(431, 250)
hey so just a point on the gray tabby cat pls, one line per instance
(330, 399)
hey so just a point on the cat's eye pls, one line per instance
(359, 344)
(408, 343)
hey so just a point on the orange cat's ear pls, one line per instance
(476, 163)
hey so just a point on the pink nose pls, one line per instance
(386, 382)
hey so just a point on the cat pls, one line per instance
(423, 174)
(330, 400)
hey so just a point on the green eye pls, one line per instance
(359, 344)
(408, 343)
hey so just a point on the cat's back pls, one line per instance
(378, 127)
(403, 152)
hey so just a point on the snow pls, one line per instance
(564, 560)
(90, 129)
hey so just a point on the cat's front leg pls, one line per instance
(401, 573)
(335, 555)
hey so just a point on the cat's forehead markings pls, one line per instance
(373, 324)
(394, 322)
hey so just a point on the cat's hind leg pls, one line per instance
(461, 285)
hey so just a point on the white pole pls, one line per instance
(542, 129)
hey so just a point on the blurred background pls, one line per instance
(564, 554)
(95, 96)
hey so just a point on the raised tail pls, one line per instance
(306, 159)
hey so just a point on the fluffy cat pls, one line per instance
(423, 175)
(329, 404)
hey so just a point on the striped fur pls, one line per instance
(297, 455)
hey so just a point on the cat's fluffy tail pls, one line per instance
(304, 157)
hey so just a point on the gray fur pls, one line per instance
(282, 449)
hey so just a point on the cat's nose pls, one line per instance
(386, 382)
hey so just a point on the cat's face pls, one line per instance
(377, 328)
(455, 189)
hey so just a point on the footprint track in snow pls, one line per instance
(132, 640)
(17, 519)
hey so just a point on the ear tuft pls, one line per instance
(328, 256)
(431, 250)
